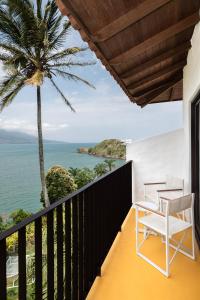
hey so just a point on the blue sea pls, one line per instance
(19, 171)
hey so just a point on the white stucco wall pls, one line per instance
(155, 158)
(191, 86)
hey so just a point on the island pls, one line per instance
(111, 148)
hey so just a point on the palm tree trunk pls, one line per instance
(40, 146)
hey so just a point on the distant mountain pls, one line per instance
(16, 137)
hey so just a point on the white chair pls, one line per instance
(167, 225)
(173, 187)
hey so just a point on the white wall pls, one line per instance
(191, 86)
(155, 158)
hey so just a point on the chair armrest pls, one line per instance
(150, 210)
(169, 190)
(154, 183)
(166, 199)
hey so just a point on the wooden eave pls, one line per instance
(142, 43)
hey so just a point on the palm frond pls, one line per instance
(7, 84)
(52, 13)
(69, 64)
(53, 32)
(11, 95)
(62, 95)
(8, 47)
(66, 52)
(60, 39)
(5, 57)
(22, 13)
(74, 77)
(39, 9)
(9, 30)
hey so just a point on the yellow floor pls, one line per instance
(125, 276)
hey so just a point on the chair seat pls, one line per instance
(148, 204)
(157, 223)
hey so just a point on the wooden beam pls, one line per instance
(172, 68)
(157, 39)
(139, 12)
(148, 90)
(183, 48)
(150, 97)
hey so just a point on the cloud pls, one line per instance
(55, 126)
(105, 112)
(29, 127)
(15, 124)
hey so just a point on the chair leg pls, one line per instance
(136, 219)
(193, 243)
(167, 255)
(145, 232)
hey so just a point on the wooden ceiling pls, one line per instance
(142, 43)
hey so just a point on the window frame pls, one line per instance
(195, 161)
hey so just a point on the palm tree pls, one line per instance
(100, 169)
(32, 37)
(110, 164)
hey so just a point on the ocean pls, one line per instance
(19, 171)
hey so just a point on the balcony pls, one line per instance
(127, 276)
(88, 251)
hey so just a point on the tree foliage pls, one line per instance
(18, 215)
(112, 148)
(32, 47)
(110, 164)
(2, 225)
(59, 183)
(100, 169)
(82, 176)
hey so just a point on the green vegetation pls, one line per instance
(18, 215)
(59, 184)
(2, 225)
(33, 37)
(14, 218)
(111, 148)
(110, 163)
(82, 176)
(100, 169)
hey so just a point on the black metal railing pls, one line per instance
(71, 240)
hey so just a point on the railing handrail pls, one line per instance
(5, 234)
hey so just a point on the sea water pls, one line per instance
(19, 171)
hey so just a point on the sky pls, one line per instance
(101, 113)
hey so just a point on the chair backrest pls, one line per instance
(180, 204)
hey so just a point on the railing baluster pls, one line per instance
(50, 256)
(59, 253)
(98, 230)
(38, 259)
(86, 257)
(75, 263)
(81, 245)
(68, 243)
(94, 236)
(22, 262)
(3, 281)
